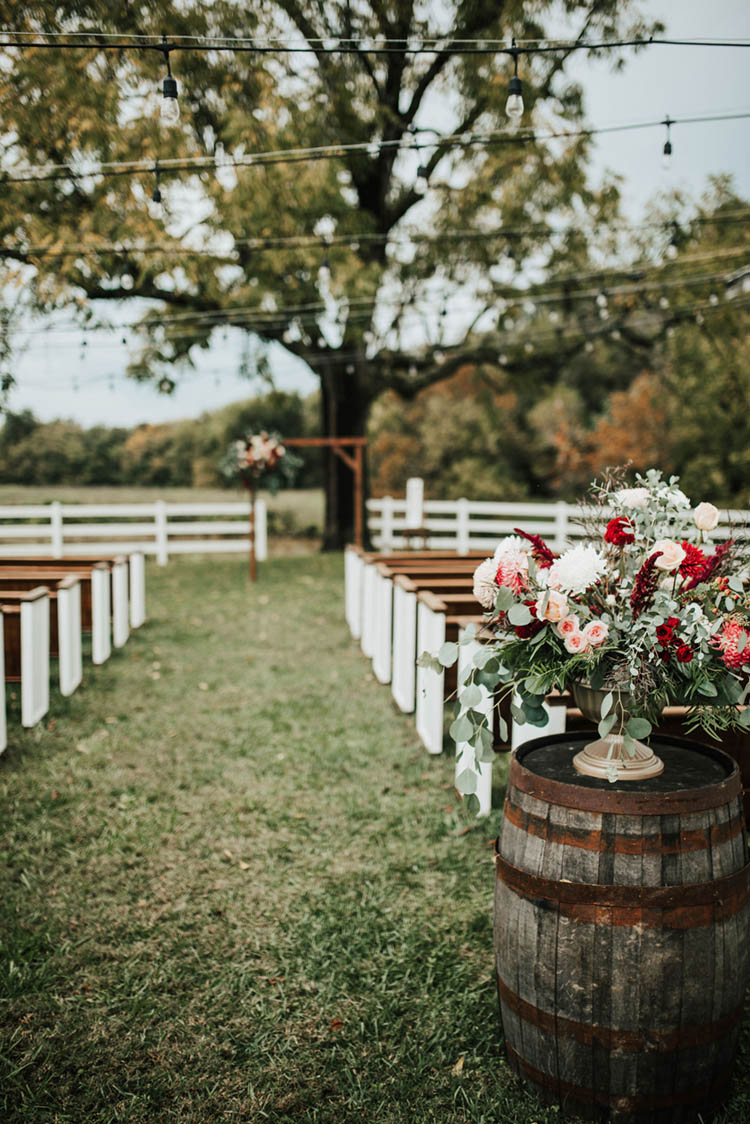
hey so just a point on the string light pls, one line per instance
(156, 193)
(170, 106)
(666, 160)
(514, 103)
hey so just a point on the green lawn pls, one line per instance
(238, 890)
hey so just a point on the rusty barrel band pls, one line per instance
(732, 890)
(590, 839)
(701, 1096)
(633, 803)
(614, 1038)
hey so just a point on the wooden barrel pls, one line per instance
(621, 931)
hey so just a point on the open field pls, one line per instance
(294, 511)
(237, 889)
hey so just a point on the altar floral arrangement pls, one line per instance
(648, 604)
(260, 457)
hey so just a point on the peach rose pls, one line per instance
(568, 625)
(555, 609)
(671, 552)
(596, 633)
(706, 516)
(576, 643)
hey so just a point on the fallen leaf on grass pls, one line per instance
(243, 865)
(458, 1067)
(228, 855)
(336, 1024)
(203, 686)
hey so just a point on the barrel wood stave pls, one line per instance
(621, 951)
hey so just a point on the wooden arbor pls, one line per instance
(353, 460)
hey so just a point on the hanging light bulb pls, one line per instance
(514, 104)
(170, 107)
(156, 193)
(673, 246)
(420, 187)
(666, 160)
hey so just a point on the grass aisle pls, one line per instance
(237, 889)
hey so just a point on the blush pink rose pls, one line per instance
(576, 643)
(671, 553)
(555, 609)
(568, 625)
(596, 633)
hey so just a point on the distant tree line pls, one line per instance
(171, 454)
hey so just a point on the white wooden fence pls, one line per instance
(160, 528)
(465, 525)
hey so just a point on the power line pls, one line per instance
(109, 169)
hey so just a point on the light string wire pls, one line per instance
(398, 238)
(106, 169)
(249, 315)
(338, 45)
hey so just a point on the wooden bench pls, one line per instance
(65, 620)
(127, 578)
(26, 630)
(97, 582)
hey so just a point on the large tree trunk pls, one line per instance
(344, 408)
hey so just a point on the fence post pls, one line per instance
(160, 532)
(561, 524)
(414, 503)
(261, 531)
(56, 528)
(462, 526)
(386, 529)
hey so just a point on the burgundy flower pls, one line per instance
(673, 621)
(694, 561)
(619, 531)
(665, 635)
(526, 631)
(665, 655)
(711, 565)
(684, 653)
(541, 553)
(646, 581)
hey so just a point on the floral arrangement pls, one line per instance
(260, 456)
(648, 605)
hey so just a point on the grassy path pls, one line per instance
(238, 890)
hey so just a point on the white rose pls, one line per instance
(706, 516)
(671, 554)
(632, 497)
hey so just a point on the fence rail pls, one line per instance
(160, 528)
(465, 525)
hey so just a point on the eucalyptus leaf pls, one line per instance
(471, 695)
(502, 727)
(461, 730)
(448, 654)
(518, 714)
(429, 661)
(606, 724)
(629, 745)
(505, 598)
(596, 678)
(741, 642)
(729, 604)
(708, 689)
(472, 804)
(744, 719)
(535, 685)
(482, 656)
(485, 754)
(488, 679)
(611, 772)
(519, 614)
(466, 782)
(483, 738)
(537, 717)
(469, 633)
(638, 727)
(735, 583)
(607, 704)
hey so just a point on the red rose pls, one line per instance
(665, 655)
(619, 531)
(664, 635)
(673, 621)
(684, 653)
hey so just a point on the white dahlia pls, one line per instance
(485, 588)
(577, 569)
(632, 497)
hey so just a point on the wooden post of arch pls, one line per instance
(354, 460)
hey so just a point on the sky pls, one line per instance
(63, 376)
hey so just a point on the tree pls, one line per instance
(366, 312)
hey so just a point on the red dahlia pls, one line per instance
(665, 635)
(619, 531)
(694, 562)
(684, 653)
